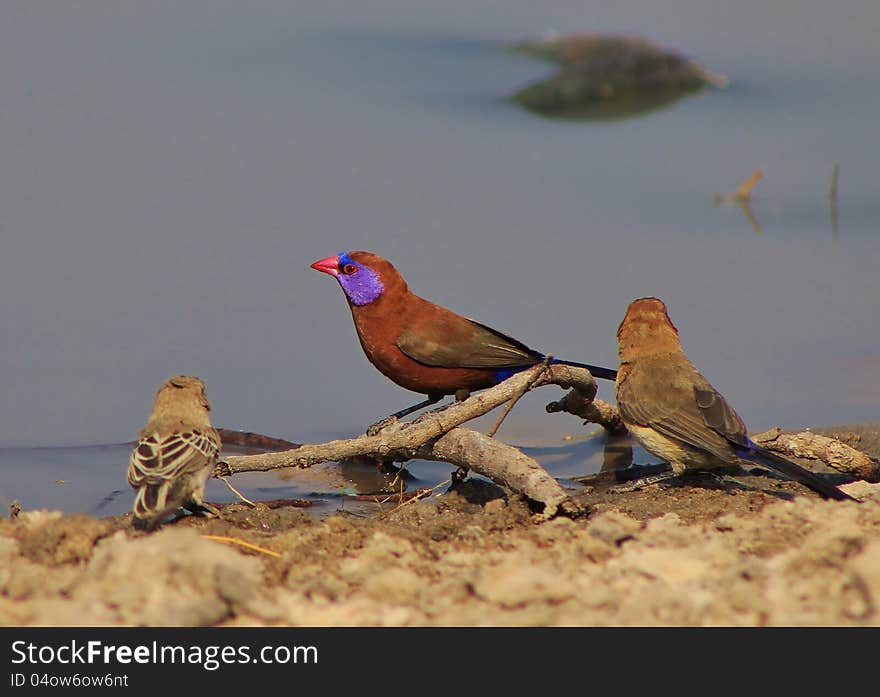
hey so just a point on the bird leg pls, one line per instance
(377, 427)
(432, 399)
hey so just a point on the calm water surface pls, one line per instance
(169, 173)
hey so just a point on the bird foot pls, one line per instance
(205, 510)
(380, 426)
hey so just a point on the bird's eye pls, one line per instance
(349, 269)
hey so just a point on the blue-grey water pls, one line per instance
(168, 171)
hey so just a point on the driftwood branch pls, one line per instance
(595, 411)
(830, 451)
(437, 436)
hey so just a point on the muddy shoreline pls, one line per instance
(755, 551)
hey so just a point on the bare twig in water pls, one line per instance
(394, 495)
(832, 199)
(744, 192)
(237, 492)
(742, 197)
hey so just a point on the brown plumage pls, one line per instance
(418, 344)
(175, 454)
(413, 341)
(675, 413)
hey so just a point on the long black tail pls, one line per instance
(595, 371)
(797, 473)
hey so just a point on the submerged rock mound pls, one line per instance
(606, 77)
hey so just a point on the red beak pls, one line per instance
(329, 265)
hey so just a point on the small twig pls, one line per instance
(376, 498)
(744, 192)
(742, 196)
(242, 543)
(832, 199)
(425, 493)
(399, 494)
(538, 372)
(397, 480)
(237, 492)
(832, 190)
(273, 504)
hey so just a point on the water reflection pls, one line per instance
(369, 477)
(618, 452)
(568, 97)
(832, 200)
(742, 199)
(749, 215)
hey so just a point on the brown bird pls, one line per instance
(175, 454)
(675, 413)
(421, 346)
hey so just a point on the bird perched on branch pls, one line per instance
(675, 413)
(421, 346)
(175, 454)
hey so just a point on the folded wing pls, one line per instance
(465, 344)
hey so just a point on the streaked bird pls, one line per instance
(422, 346)
(175, 454)
(676, 414)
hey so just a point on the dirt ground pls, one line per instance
(697, 552)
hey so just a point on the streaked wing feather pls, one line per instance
(156, 459)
